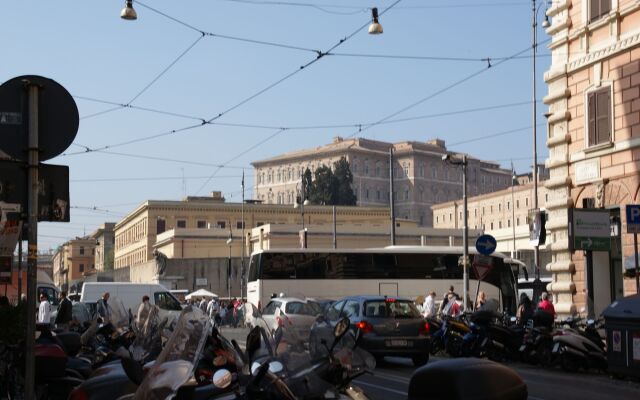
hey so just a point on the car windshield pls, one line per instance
(297, 307)
(390, 308)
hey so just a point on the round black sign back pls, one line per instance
(57, 111)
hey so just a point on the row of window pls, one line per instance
(133, 258)
(133, 234)
(81, 267)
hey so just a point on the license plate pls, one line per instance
(397, 343)
(556, 347)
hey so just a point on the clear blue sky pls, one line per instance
(87, 48)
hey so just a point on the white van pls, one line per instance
(131, 296)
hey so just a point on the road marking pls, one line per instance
(359, 382)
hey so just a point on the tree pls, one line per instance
(324, 187)
(307, 183)
(331, 187)
(344, 180)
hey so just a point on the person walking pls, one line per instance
(525, 310)
(44, 310)
(482, 298)
(143, 312)
(65, 314)
(429, 305)
(103, 309)
(452, 309)
(546, 305)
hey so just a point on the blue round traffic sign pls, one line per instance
(486, 244)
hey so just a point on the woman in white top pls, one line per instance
(44, 311)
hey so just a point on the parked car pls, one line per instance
(301, 313)
(324, 304)
(389, 326)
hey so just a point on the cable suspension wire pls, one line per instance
(151, 178)
(324, 7)
(432, 58)
(169, 160)
(445, 89)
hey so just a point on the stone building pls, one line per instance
(105, 239)
(502, 214)
(421, 178)
(594, 143)
(73, 262)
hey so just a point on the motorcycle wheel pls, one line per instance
(543, 353)
(436, 346)
(454, 346)
(569, 363)
(420, 360)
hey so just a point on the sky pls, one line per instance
(182, 100)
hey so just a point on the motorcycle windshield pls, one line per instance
(149, 330)
(119, 317)
(176, 363)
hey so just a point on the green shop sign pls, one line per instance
(589, 229)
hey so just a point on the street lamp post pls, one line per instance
(462, 161)
(535, 8)
(229, 243)
(302, 201)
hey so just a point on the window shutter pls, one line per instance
(594, 9)
(605, 7)
(603, 109)
(591, 113)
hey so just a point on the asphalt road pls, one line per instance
(390, 380)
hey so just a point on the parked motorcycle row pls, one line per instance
(571, 344)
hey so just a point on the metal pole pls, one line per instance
(242, 271)
(391, 202)
(20, 266)
(536, 248)
(32, 253)
(465, 237)
(335, 238)
(635, 253)
(513, 212)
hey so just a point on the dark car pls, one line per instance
(389, 326)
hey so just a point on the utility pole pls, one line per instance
(391, 202)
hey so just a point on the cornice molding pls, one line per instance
(557, 95)
(561, 181)
(558, 140)
(597, 55)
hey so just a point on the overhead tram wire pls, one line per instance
(276, 133)
(445, 89)
(319, 56)
(324, 7)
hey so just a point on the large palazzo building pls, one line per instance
(594, 143)
(421, 178)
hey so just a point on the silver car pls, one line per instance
(299, 314)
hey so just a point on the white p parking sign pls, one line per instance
(633, 218)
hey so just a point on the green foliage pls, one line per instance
(14, 323)
(331, 187)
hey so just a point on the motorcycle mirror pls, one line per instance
(222, 378)
(133, 369)
(341, 328)
(253, 342)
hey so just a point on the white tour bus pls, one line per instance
(407, 271)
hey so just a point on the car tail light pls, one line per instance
(364, 326)
(424, 329)
(389, 299)
(78, 394)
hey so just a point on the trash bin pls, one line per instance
(622, 324)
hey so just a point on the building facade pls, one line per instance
(502, 214)
(73, 262)
(200, 226)
(105, 239)
(421, 178)
(594, 143)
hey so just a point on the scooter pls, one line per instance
(575, 349)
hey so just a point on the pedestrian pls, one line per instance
(223, 313)
(44, 310)
(445, 300)
(429, 305)
(482, 298)
(65, 314)
(203, 305)
(103, 308)
(212, 307)
(143, 312)
(236, 305)
(452, 309)
(546, 305)
(525, 310)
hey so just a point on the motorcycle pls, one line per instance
(450, 336)
(576, 348)
(537, 342)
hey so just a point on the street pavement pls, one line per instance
(390, 380)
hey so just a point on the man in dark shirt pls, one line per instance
(64, 312)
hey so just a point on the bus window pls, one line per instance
(277, 266)
(253, 268)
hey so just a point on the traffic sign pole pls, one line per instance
(32, 253)
(635, 253)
